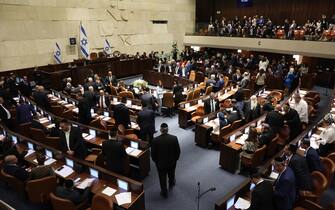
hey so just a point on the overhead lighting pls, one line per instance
(239, 51)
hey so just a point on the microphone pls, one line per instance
(212, 189)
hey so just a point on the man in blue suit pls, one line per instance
(312, 157)
(284, 186)
(24, 112)
(219, 84)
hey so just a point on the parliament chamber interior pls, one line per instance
(160, 105)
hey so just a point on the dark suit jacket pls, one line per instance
(72, 194)
(17, 172)
(300, 169)
(275, 120)
(76, 143)
(146, 121)
(233, 116)
(107, 101)
(293, 121)
(91, 98)
(262, 197)
(41, 100)
(251, 114)
(149, 100)
(207, 106)
(313, 160)
(3, 115)
(266, 137)
(121, 115)
(40, 172)
(218, 85)
(178, 94)
(284, 190)
(25, 88)
(165, 151)
(24, 113)
(84, 111)
(114, 155)
(112, 80)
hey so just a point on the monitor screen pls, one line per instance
(48, 153)
(199, 102)
(69, 162)
(65, 99)
(14, 139)
(134, 144)
(94, 173)
(309, 134)
(230, 202)
(122, 184)
(232, 137)
(92, 132)
(187, 105)
(30, 146)
(106, 114)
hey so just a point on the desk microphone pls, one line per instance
(203, 193)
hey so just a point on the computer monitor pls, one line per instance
(230, 202)
(69, 162)
(187, 105)
(232, 137)
(134, 144)
(14, 139)
(94, 173)
(122, 184)
(199, 102)
(252, 186)
(48, 153)
(92, 132)
(205, 120)
(30, 146)
(106, 114)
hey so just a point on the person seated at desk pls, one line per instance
(211, 104)
(284, 186)
(103, 101)
(311, 156)
(84, 110)
(266, 135)
(13, 169)
(267, 106)
(252, 109)
(24, 112)
(301, 106)
(41, 98)
(26, 87)
(299, 166)
(292, 119)
(99, 85)
(90, 97)
(222, 117)
(219, 84)
(41, 170)
(146, 122)
(262, 194)
(69, 192)
(327, 136)
(211, 81)
(115, 156)
(71, 140)
(275, 119)
(110, 79)
(121, 86)
(251, 143)
(121, 114)
(235, 113)
(237, 77)
(35, 123)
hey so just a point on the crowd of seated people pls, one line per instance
(263, 27)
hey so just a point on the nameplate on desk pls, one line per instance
(64, 171)
(109, 191)
(123, 198)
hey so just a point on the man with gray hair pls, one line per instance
(165, 152)
(13, 169)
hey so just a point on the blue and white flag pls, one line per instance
(107, 48)
(58, 54)
(84, 47)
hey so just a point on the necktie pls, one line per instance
(101, 102)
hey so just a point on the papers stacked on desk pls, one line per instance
(87, 136)
(123, 198)
(134, 125)
(273, 175)
(51, 126)
(68, 105)
(242, 204)
(133, 152)
(43, 120)
(49, 161)
(86, 183)
(108, 191)
(64, 171)
(54, 99)
(242, 139)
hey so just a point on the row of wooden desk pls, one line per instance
(153, 77)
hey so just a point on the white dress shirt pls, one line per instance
(67, 138)
(328, 135)
(103, 105)
(302, 109)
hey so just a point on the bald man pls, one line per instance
(13, 169)
(275, 119)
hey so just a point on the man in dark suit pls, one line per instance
(211, 104)
(41, 98)
(165, 152)
(5, 115)
(252, 109)
(275, 119)
(115, 156)
(13, 169)
(292, 119)
(178, 93)
(24, 112)
(84, 113)
(262, 194)
(121, 114)
(312, 157)
(146, 122)
(148, 99)
(266, 135)
(71, 140)
(25, 87)
(110, 79)
(103, 101)
(69, 192)
(219, 84)
(300, 168)
(284, 186)
(90, 97)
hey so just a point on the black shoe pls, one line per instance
(171, 185)
(164, 194)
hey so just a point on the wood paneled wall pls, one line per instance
(278, 10)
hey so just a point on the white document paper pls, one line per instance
(76, 110)
(49, 161)
(242, 139)
(68, 105)
(129, 150)
(29, 152)
(134, 152)
(123, 198)
(89, 137)
(242, 204)
(43, 120)
(106, 118)
(274, 175)
(108, 191)
(51, 126)
(86, 183)
(65, 171)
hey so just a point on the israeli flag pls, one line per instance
(107, 48)
(84, 47)
(57, 54)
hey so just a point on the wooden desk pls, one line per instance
(152, 77)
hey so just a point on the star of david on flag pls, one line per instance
(57, 54)
(84, 46)
(107, 48)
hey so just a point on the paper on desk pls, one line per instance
(108, 191)
(274, 175)
(89, 137)
(123, 198)
(65, 171)
(135, 152)
(29, 152)
(129, 150)
(49, 161)
(242, 204)
(43, 120)
(106, 118)
(134, 125)
(76, 110)
(86, 183)
(242, 139)
(313, 143)
(51, 125)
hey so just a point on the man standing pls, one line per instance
(115, 156)
(165, 152)
(103, 100)
(211, 104)
(312, 157)
(301, 106)
(146, 122)
(292, 119)
(121, 114)
(110, 79)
